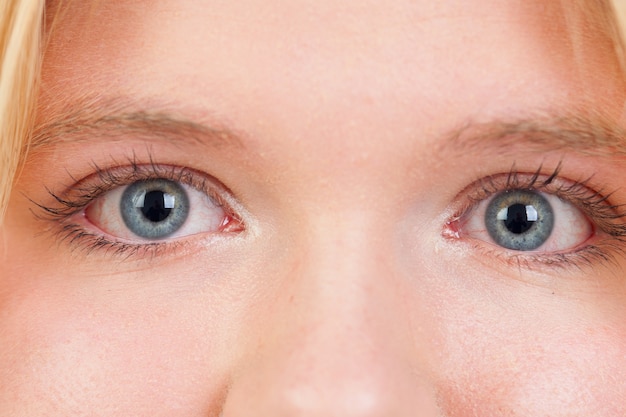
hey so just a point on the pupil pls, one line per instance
(517, 219)
(154, 206)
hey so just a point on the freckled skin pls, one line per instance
(341, 297)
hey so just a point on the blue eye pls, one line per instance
(519, 220)
(159, 209)
(526, 220)
(154, 209)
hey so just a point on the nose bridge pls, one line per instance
(346, 289)
(337, 341)
(347, 263)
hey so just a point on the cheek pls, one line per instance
(537, 366)
(76, 351)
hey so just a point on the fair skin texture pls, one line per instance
(346, 288)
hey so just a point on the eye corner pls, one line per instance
(452, 228)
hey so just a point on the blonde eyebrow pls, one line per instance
(113, 121)
(595, 136)
(122, 118)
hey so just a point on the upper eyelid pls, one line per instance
(552, 183)
(575, 192)
(594, 203)
(85, 190)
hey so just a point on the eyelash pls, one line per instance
(604, 216)
(594, 204)
(77, 197)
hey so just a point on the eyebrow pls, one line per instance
(595, 135)
(111, 121)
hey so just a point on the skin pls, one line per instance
(345, 292)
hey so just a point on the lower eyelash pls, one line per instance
(586, 256)
(87, 242)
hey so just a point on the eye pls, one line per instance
(527, 220)
(156, 209)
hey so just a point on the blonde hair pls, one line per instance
(620, 11)
(20, 55)
(21, 29)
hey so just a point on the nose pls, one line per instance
(336, 341)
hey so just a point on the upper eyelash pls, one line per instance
(86, 190)
(594, 203)
(77, 197)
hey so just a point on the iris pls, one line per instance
(519, 219)
(154, 209)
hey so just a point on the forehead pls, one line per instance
(307, 64)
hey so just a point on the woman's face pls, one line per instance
(320, 208)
